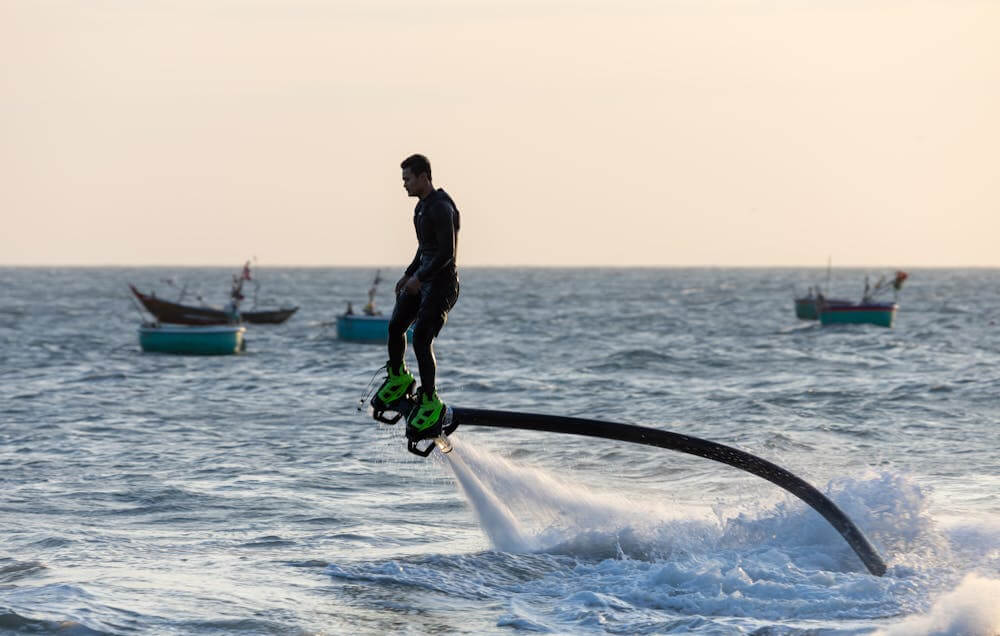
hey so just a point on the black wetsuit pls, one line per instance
(436, 219)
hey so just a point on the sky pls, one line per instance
(570, 133)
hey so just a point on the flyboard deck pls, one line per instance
(448, 426)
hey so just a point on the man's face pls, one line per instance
(412, 182)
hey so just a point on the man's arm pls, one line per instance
(401, 283)
(414, 265)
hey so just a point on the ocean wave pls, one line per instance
(12, 570)
(10, 620)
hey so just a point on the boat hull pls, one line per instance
(270, 317)
(364, 329)
(881, 314)
(192, 340)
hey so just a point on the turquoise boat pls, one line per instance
(364, 328)
(204, 341)
(869, 311)
(368, 327)
(881, 314)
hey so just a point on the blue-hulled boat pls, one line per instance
(365, 329)
(867, 312)
(191, 340)
(368, 327)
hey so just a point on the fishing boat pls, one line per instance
(867, 312)
(192, 340)
(368, 327)
(177, 313)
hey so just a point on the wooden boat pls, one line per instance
(178, 314)
(268, 317)
(192, 340)
(872, 313)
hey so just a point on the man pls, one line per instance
(424, 295)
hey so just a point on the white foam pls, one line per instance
(525, 509)
(971, 609)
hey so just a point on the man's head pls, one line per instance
(417, 176)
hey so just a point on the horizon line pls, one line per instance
(483, 266)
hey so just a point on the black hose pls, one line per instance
(685, 444)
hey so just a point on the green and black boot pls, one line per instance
(424, 419)
(396, 390)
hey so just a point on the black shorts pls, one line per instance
(428, 309)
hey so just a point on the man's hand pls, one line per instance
(412, 286)
(400, 283)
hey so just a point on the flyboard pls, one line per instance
(455, 417)
(439, 434)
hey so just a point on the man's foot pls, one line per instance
(425, 417)
(397, 387)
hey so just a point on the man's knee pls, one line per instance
(423, 336)
(398, 327)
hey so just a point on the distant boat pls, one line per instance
(368, 327)
(867, 312)
(202, 340)
(178, 314)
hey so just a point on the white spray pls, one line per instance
(524, 509)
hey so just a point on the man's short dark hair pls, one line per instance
(418, 165)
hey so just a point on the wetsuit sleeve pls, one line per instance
(414, 264)
(442, 218)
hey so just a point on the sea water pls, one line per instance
(150, 493)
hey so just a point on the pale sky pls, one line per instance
(617, 132)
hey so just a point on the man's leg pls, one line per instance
(403, 314)
(398, 383)
(423, 348)
(433, 314)
(435, 304)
